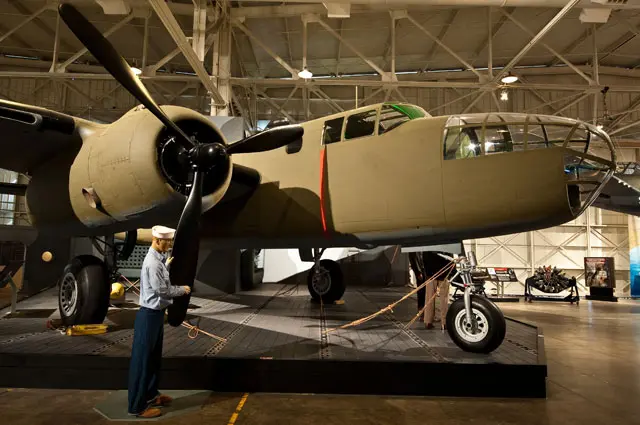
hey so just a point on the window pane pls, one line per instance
(557, 133)
(461, 143)
(390, 119)
(599, 147)
(361, 125)
(332, 130)
(497, 139)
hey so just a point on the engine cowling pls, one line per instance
(132, 169)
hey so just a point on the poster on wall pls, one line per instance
(634, 255)
(502, 274)
(599, 272)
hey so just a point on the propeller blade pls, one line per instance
(185, 250)
(107, 55)
(267, 140)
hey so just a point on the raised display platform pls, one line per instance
(275, 342)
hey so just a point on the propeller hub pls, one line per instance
(207, 155)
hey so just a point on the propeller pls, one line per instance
(199, 156)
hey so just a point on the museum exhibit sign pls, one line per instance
(600, 278)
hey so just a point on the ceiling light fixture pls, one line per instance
(509, 78)
(504, 96)
(305, 73)
(136, 71)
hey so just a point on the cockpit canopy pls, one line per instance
(376, 120)
(468, 136)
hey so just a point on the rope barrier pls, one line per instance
(390, 307)
(193, 330)
(197, 330)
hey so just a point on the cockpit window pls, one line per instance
(332, 130)
(361, 124)
(392, 115)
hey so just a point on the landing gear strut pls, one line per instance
(325, 280)
(85, 285)
(474, 322)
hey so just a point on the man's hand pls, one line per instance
(420, 278)
(169, 260)
(187, 289)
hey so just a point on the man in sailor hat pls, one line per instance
(156, 294)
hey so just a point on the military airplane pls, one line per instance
(383, 174)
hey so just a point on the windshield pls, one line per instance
(393, 114)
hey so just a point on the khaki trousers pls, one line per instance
(430, 310)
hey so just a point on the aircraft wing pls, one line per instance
(619, 195)
(29, 135)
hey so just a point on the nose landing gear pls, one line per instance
(474, 322)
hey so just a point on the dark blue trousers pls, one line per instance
(146, 357)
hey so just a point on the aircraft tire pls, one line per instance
(250, 275)
(331, 286)
(83, 291)
(492, 325)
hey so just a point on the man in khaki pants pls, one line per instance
(433, 263)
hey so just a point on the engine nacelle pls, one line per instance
(128, 170)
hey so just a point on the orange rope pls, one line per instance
(444, 269)
(194, 331)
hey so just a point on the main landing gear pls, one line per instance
(325, 280)
(85, 285)
(474, 322)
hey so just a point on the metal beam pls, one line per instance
(630, 109)
(323, 95)
(472, 104)
(490, 43)
(56, 45)
(285, 65)
(39, 22)
(348, 45)
(621, 41)
(199, 34)
(546, 46)
(62, 67)
(536, 38)
(492, 32)
(570, 104)
(445, 47)
(164, 13)
(441, 36)
(24, 22)
(624, 127)
(339, 53)
(596, 74)
(457, 99)
(261, 92)
(574, 44)
(286, 32)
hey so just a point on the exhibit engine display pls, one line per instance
(344, 180)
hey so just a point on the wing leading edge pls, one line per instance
(30, 135)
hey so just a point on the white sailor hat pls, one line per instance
(162, 232)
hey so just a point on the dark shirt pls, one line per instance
(417, 264)
(433, 263)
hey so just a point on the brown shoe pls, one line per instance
(428, 325)
(148, 413)
(161, 400)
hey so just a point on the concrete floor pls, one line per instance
(593, 353)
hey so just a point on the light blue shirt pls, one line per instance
(156, 290)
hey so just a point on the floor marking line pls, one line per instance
(234, 416)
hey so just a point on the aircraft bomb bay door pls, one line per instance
(380, 172)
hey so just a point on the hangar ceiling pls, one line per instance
(448, 56)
